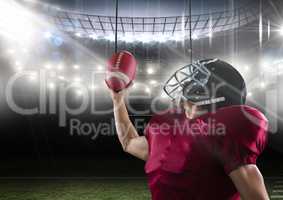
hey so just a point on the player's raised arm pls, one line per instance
(121, 71)
(127, 134)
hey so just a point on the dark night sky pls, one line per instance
(144, 7)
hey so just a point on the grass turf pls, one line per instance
(74, 190)
(126, 189)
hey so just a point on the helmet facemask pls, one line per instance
(190, 84)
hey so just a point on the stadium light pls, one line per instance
(195, 36)
(92, 87)
(47, 35)
(77, 79)
(79, 92)
(51, 85)
(281, 31)
(93, 36)
(128, 38)
(145, 38)
(110, 37)
(17, 63)
(48, 66)
(19, 68)
(153, 82)
(178, 37)
(11, 23)
(161, 38)
(264, 64)
(60, 67)
(61, 78)
(150, 70)
(247, 68)
(32, 76)
(147, 90)
(78, 34)
(11, 51)
(99, 68)
(276, 62)
(76, 67)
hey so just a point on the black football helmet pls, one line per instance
(205, 82)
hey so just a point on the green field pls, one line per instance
(92, 189)
(73, 190)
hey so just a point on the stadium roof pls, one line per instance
(203, 25)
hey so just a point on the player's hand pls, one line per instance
(117, 96)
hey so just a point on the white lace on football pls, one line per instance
(119, 75)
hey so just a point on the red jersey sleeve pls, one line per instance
(245, 138)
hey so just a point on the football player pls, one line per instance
(208, 148)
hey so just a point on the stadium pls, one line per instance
(58, 137)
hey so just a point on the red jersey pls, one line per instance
(191, 159)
